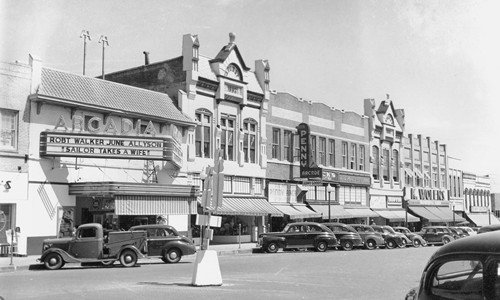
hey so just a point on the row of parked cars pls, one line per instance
(321, 236)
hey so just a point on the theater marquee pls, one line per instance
(60, 144)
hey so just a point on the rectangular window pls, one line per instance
(227, 137)
(313, 150)
(386, 164)
(376, 162)
(344, 155)
(331, 152)
(361, 158)
(395, 165)
(276, 144)
(287, 145)
(241, 185)
(322, 151)
(354, 155)
(8, 129)
(296, 147)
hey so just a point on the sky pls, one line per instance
(437, 60)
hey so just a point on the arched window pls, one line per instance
(203, 133)
(249, 140)
(376, 160)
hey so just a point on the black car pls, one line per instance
(347, 236)
(371, 238)
(415, 238)
(392, 239)
(436, 235)
(463, 269)
(165, 242)
(458, 233)
(301, 235)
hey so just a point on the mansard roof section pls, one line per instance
(93, 93)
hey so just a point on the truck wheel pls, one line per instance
(370, 244)
(53, 261)
(128, 258)
(172, 256)
(347, 245)
(272, 247)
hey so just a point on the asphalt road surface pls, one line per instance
(358, 274)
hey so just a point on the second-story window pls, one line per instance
(361, 158)
(386, 163)
(288, 145)
(250, 136)
(322, 151)
(8, 129)
(331, 152)
(344, 155)
(395, 165)
(354, 155)
(376, 162)
(296, 147)
(276, 144)
(313, 150)
(227, 137)
(203, 133)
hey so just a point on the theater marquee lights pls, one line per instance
(83, 144)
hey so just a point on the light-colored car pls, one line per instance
(469, 230)
(463, 269)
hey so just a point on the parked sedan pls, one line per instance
(301, 235)
(165, 242)
(347, 237)
(464, 269)
(392, 239)
(436, 235)
(458, 232)
(416, 239)
(371, 238)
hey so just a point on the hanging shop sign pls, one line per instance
(60, 144)
(308, 168)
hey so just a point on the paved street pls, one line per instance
(358, 274)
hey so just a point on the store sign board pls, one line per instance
(60, 144)
(307, 170)
(413, 193)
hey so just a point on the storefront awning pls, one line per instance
(450, 215)
(154, 205)
(409, 172)
(296, 211)
(483, 219)
(361, 212)
(247, 206)
(396, 215)
(426, 214)
(336, 211)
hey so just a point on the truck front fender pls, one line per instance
(67, 258)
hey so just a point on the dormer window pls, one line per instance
(233, 72)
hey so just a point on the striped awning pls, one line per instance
(396, 215)
(154, 205)
(247, 206)
(336, 211)
(296, 211)
(483, 219)
(425, 213)
(449, 214)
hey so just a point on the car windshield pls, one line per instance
(459, 279)
(389, 230)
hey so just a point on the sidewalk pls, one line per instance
(24, 262)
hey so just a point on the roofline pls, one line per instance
(45, 98)
(134, 68)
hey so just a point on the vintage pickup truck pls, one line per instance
(92, 244)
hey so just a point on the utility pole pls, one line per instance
(85, 35)
(104, 40)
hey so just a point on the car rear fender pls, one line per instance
(133, 248)
(185, 249)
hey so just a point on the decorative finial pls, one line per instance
(232, 37)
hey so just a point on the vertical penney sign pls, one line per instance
(306, 168)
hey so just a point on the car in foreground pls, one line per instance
(463, 269)
(415, 238)
(347, 237)
(300, 235)
(436, 235)
(371, 238)
(164, 241)
(489, 228)
(392, 239)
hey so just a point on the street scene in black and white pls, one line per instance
(252, 149)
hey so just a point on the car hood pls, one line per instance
(62, 243)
